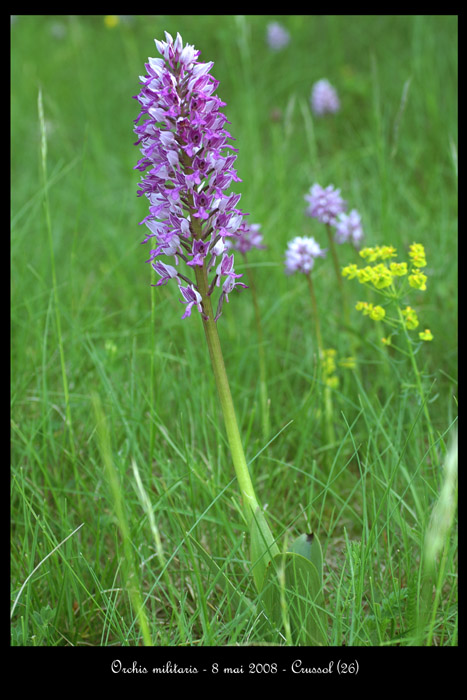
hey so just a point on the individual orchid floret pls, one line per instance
(349, 228)
(229, 285)
(246, 238)
(191, 297)
(324, 98)
(187, 169)
(165, 272)
(325, 204)
(300, 255)
(225, 268)
(277, 36)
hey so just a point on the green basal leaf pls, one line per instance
(309, 547)
(293, 592)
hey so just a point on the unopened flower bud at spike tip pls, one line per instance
(187, 168)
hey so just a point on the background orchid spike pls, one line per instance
(349, 228)
(324, 98)
(188, 167)
(325, 203)
(277, 36)
(247, 237)
(301, 253)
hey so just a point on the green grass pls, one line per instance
(117, 437)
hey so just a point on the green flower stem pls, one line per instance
(261, 354)
(340, 281)
(233, 434)
(319, 338)
(419, 386)
(250, 502)
(328, 408)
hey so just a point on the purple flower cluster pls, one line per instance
(300, 255)
(349, 228)
(187, 167)
(277, 36)
(246, 238)
(325, 204)
(324, 98)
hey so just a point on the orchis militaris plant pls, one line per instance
(187, 168)
(392, 280)
(300, 256)
(247, 238)
(327, 205)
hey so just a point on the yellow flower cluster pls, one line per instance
(398, 269)
(111, 21)
(417, 255)
(379, 252)
(377, 313)
(426, 335)
(411, 320)
(381, 275)
(418, 281)
(348, 362)
(329, 368)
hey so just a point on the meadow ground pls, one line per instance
(120, 467)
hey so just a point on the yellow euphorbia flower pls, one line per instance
(377, 313)
(380, 252)
(417, 254)
(411, 320)
(398, 269)
(418, 280)
(111, 21)
(381, 276)
(348, 362)
(365, 274)
(350, 271)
